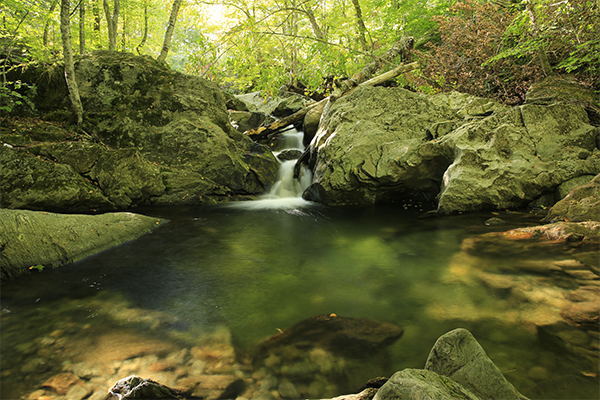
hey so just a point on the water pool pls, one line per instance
(195, 296)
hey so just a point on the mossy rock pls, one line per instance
(32, 182)
(42, 239)
(566, 90)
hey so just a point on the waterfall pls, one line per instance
(286, 193)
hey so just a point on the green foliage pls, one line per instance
(471, 36)
(16, 96)
(567, 31)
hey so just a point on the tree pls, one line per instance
(82, 27)
(362, 29)
(65, 29)
(540, 51)
(112, 22)
(169, 33)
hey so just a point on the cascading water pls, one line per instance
(286, 193)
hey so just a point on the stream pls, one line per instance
(193, 299)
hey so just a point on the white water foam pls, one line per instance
(286, 193)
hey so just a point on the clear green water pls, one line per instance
(256, 271)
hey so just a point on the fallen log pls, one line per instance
(400, 48)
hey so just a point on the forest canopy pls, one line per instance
(488, 48)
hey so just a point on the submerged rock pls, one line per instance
(41, 239)
(329, 351)
(354, 336)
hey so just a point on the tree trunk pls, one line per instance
(112, 23)
(145, 37)
(82, 27)
(541, 54)
(317, 31)
(65, 30)
(362, 29)
(170, 28)
(47, 27)
(96, 26)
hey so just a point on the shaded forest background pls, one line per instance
(487, 48)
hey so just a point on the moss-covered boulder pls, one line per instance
(582, 204)
(463, 152)
(36, 183)
(42, 239)
(372, 147)
(147, 130)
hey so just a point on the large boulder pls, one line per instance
(423, 385)
(372, 146)
(457, 368)
(41, 239)
(458, 356)
(34, 182)
(156, 127)
(466, 153)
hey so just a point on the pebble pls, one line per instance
(98, 395)
(494, 221)
(287, 390)
(538, 373)
(78, 392)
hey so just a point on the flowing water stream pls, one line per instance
(194, 298)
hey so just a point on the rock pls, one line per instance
(311, 122)
(62, 383)
(169, 136)
(568, 186)
(494, 222)
(423, 385)
(559, 231)
(78, 392)
(30, 182)
(561, 88)
(291, 103)
(235, 104)
(258, 102)
(32, 238)
(583, 314)
(381, 145)
(289, 155)
(246, 120)
(134, 387)
(372, 148)
(353, 336)
(581, 204)
(287, 390)
(458, 356)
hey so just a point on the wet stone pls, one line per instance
(583, 274)
(61, 383)
(78, 392)
(495, 221)
(287, 390)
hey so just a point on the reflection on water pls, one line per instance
(192, 299)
